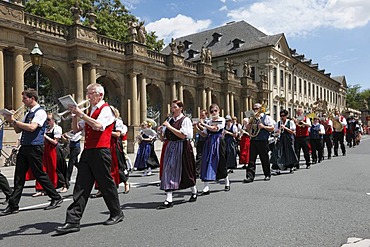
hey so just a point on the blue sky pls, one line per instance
(333, 33)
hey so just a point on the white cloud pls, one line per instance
(223, 1)
(299, 17)
(223, 8)
(178, 26)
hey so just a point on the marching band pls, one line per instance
(218, 141)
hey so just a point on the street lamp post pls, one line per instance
(37, 58)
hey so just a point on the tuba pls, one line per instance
(254, 120)
(338, 127)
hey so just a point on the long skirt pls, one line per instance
(146, 157)
(283, 155)
(230, 152)
(245, 143)
(213, 159)
(178, 170)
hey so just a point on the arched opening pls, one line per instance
(154, 103)
(189, 104)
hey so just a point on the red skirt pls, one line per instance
(244, 149)
(49, 164)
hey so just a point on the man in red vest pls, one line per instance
(328, 137)
(302, 137)
(95, 161)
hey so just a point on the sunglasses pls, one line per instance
(212, 111)
(48, 119)
(255, 108)
(282, 115)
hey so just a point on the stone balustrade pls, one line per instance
(190, 65)
(158, 57)
(46, 26)
(111, 44)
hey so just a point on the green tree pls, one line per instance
(354, 97)
(112, 17)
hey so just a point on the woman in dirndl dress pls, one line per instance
(230, 134)
(283, 156)
(178, 170)
(146, 158)
(245, 142)
(213, 158)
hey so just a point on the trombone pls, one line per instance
(65, 115)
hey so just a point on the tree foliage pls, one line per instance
(112, 17)
(356, 98)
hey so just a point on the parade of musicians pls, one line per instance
(226, 136)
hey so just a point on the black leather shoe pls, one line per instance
(227, 188)
(114, 220)
(165, 205)
(54, 204)
(308, 167)
(205, 193)
(329, 157)
(193, 198)
(267, 178)
(335, 155)
(248, 180)
(9, 210)
(344, 154)
(68, 228)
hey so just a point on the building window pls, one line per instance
(253, 72)
(304, 87)
(290, 82)
(309, 89)
(320, 92)
(300, 85)
(313, 91)
(317, 92)
(281, 78)
(275, 111)
(275, 76)
(294, 84)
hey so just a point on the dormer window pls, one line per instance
(187, 44)
(237, 43)
(216, 37)
(192, 53)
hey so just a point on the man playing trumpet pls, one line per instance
(302, 137)
(30, 153)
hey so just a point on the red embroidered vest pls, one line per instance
(328, 130)
(98, 139)
(302, 131)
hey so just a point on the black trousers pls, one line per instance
(339, 139)
(94, 166)
(260, 148)
(302, 142)
(4, 186)
(198, 157)
(316, 148)
(328, 142)
(30, 157)
(73, 160)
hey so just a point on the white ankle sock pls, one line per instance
(227, 181)
(169, 196)
(194, 189)
(206, 186)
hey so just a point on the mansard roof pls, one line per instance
(233, 37)
(341, 80)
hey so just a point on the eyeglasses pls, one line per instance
(212, 111)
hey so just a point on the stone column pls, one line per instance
(173, 91)
(92, 74)
(227, 104)
(2, 79)
(232, 110)
(251, 103)
(209, 96)
(18, 79)
(134, 102)
(143, 103)
(204, 99)
(246, 104)
(181, 92)
(79, 82)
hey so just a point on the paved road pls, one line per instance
(324, 206)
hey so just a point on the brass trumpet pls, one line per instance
(65, 115)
